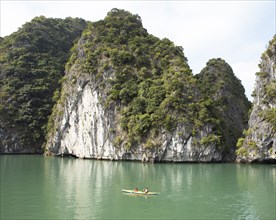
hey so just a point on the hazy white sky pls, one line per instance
(236, 31)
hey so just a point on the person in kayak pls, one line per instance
(136, 189)
(146, 190)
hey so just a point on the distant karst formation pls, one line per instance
(110, 90)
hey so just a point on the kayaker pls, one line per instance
(146, 190)
(136, 189)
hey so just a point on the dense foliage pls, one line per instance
(32, 63)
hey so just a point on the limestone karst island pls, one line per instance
(110, 90)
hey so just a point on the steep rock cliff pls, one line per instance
(129, 95)
(32, 62)
(259, 143)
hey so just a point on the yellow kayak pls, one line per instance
(139, 192)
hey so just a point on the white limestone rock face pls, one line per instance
(85, 128)
(85, 135)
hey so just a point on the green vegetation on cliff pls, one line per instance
(152, 86)
(32, 63)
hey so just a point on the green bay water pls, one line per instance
(37, 187)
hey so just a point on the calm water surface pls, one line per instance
(37, 187)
